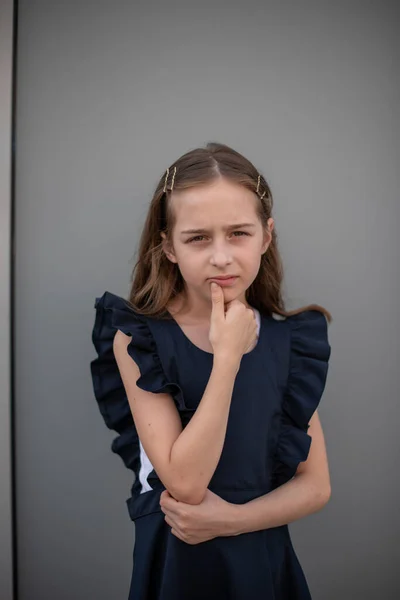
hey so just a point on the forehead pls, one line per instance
(214, 204)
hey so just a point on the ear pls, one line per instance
(166, 246)
(267, 235)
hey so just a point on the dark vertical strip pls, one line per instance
(12, 308)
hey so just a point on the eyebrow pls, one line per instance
(236, 226)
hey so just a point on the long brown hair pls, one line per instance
(156, 281)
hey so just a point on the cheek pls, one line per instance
(249, 256)
(250, 265)
(190, 266)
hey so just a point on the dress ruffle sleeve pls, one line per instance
(308, 368)
(113, 313)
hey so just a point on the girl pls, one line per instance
(213, 388)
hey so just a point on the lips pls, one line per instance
(225, 281)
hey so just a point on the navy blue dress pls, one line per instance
(277, 389)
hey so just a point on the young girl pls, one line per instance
(213, 388)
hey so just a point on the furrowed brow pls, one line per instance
(226, 228)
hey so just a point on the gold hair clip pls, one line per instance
(166, 180)
(173, 179)
(258, 189)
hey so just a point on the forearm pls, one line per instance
(299, 497)
(197, 450)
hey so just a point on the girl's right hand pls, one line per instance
(232, 333)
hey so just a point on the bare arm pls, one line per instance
(184, 460)
(308, 492)
(196, 452)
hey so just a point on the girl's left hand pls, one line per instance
(196, 523)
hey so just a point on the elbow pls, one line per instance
(324, 495)
(186, 489)
(187, 494)
(195, 497)
(321, 488)
(328, 494)
(320, 491)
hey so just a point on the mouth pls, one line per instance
(225, 279)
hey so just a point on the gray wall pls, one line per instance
(6, 64)
(109, 94)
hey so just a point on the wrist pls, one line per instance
(234, 518)
(223, 360)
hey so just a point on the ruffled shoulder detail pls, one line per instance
(113, 313)
(308, 368)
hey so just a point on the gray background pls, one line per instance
(109, 94)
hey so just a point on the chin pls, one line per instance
(231, 294)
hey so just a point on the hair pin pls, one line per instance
(166, 180)
(258, 188)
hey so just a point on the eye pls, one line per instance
(194, 239)
(243, 232)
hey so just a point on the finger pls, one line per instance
(165, 497)
(217, 298)
(170, 521)
(175, 529)
(171, 507)
(170, 499)
(177, 534)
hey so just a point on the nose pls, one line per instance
(220, 256)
